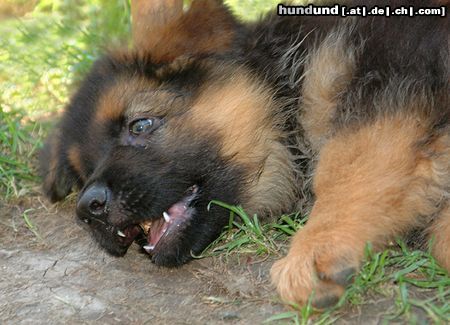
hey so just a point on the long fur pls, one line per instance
(346, 118)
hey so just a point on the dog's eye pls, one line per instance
(143, 126)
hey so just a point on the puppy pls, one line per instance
(208, 108)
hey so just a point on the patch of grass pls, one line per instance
(299, 315)
(19, 141)
(41, 56)
(251, 9)
(412, 278)
(245, 234)
(29, 223)
(417, 288)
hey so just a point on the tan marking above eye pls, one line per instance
(156, 102)
(114, 102)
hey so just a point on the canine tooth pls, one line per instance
(148, 248)
(121, 234)
(166, 216)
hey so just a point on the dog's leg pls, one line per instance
(371, 185)
(440, 238)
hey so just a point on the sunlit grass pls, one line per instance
(42, 56)
(245, 234)
(410, 278)
(19, 142)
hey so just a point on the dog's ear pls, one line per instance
(55, 169)
(162, 29)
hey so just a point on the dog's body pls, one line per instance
(207, 108)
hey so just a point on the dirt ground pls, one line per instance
(55, 273)
(65, 277)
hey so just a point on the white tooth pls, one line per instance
(148, 248)
(121, 234)
(166, 216)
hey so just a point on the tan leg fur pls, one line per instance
(371, 185)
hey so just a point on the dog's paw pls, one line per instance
(317, 268)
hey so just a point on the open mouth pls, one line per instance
(172, 221)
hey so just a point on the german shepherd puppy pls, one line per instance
(206, 107)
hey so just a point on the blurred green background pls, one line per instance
(46, 46)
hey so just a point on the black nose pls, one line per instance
(93, 202)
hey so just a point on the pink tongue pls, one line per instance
(177, 210)
(159, 227)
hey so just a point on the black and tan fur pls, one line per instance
(252, 113)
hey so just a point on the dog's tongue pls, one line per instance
(157, 228)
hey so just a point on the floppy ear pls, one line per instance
(55, 169)
(163, 30)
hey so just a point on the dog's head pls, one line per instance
(153, 136)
